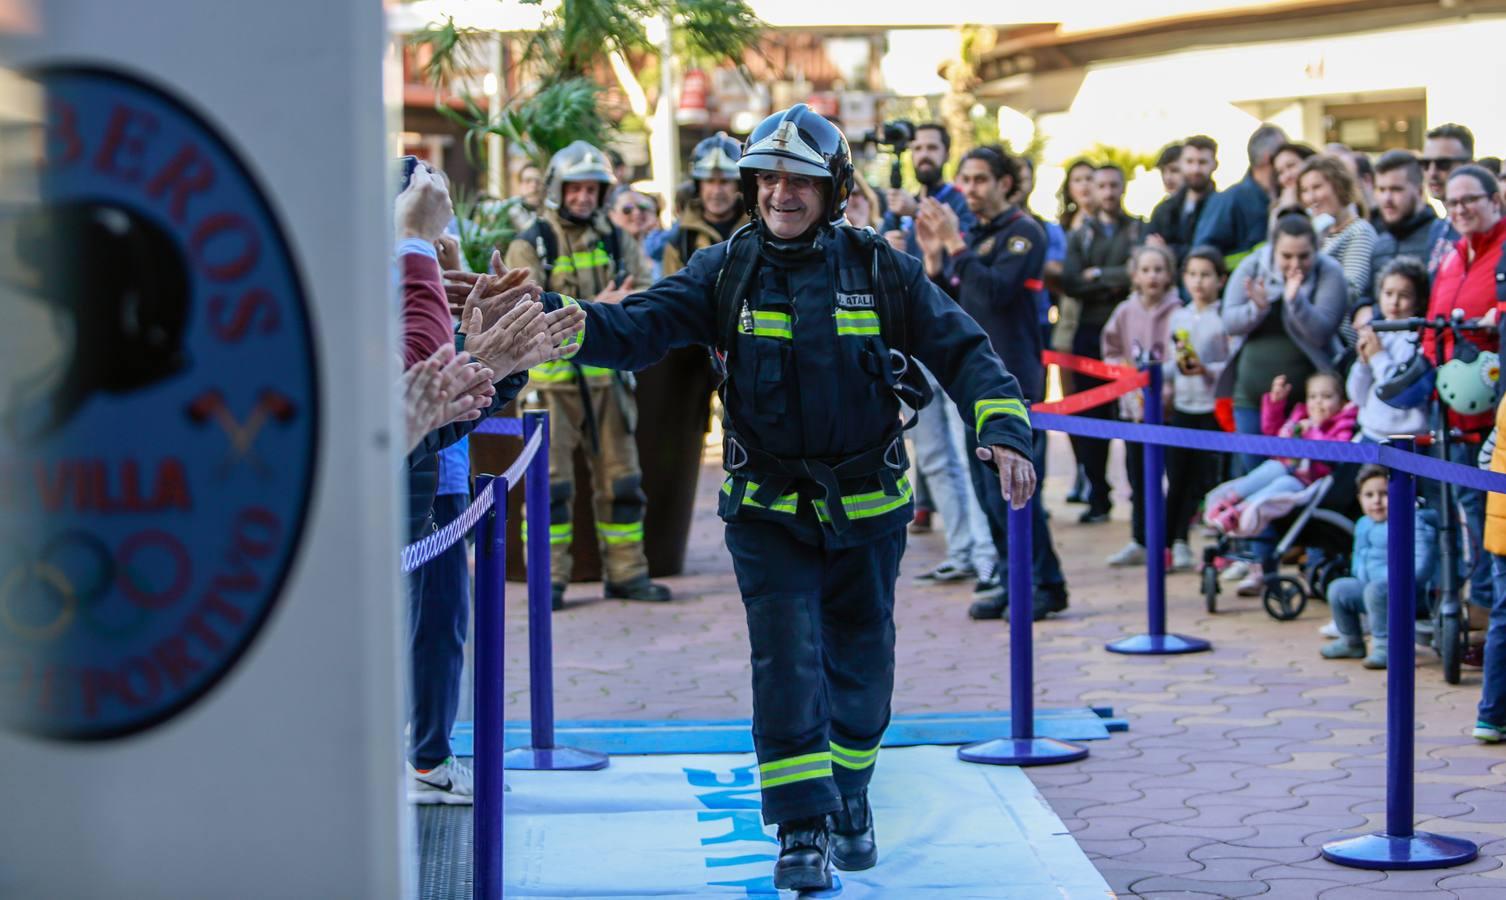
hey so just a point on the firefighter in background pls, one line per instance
(573, 249)
(716, 210)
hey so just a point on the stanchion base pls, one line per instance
(1382, 851)
(1157, 645)
(1021, 752)
(557, 759)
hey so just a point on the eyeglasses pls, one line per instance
(795, 182)
(1461, 202)
(1442, 163)
(630, 208)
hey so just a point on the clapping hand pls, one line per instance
(1281, 389)
(525, 336)
(446, 387)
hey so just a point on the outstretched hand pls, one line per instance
(1016, 474)
(446, 387)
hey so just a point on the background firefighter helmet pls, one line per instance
(801, 142)
(578, 162)
(122, 288)
(715, 157)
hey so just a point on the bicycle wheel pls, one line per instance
(1451, 646)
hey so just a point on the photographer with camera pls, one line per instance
(940, 451)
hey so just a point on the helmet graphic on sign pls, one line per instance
(126, 311)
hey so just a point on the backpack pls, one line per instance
(891, 303)
(547, 245)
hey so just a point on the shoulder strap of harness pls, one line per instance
(732, 283)
(545, 243)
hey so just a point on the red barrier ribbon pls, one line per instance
(1121, 380)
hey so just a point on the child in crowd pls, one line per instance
(1201, 351)
(1364, 590)
(1246, 505)
(1140, 328)
(1383, 355)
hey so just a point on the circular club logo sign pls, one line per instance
(158, 444)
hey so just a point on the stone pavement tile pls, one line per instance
(1249, 805)
(1053, 778)
(1178, 895)
(1282, 835)
(1122, 876)
(1270, 783)
(1209, 776)
(1273, 856)
(1107, 847)
(1302, 888)
(1417, 885)
(1220, 880)
(1317, 817)
(1155, 851)
(1196, 826)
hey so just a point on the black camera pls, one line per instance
(896, 135)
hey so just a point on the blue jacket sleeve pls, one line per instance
(1215, 226)
(949, 343)
(677, 311)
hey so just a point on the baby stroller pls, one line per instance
(1323, 527)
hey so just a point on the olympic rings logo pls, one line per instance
(75, 576)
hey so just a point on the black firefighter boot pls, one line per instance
(852, 844)
(804, 850)
(639, 588)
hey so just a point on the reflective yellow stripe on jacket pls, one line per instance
(984, 410)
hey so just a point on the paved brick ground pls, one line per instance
(1238, 764)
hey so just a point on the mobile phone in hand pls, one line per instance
(406, 164)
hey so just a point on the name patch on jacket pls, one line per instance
(855, 301)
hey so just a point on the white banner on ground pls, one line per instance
(690, 826)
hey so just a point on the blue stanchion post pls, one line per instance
(491, 579)
(1155, 642)
(1400, 846)
(542, 754)
(1022, 747)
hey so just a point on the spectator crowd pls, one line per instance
(1260, 301)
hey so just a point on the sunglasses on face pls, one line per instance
(630, 208)
(1443, 163)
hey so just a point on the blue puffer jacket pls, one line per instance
(1368, 562)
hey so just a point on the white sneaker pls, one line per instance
(449, 783)
(1181, 557)
(1331, 630)
(1235, 571)
(1131, 554)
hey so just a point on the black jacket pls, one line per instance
(423, 462)
(1092, 246)
(1170, 220)
(1421, 235)
(995, 281)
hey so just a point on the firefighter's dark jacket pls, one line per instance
(806, 377)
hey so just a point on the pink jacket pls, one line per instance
(1338, 428)
(1134, 327)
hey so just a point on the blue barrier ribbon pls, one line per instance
(422, 551)
(500, 425)
(1262, 445)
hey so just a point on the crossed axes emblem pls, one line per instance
(270, 406)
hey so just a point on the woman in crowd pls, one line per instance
(1074, 206)
(1333, 199)
(1282, 311)
(863, 207)
(1288, 166)
(1466, 281)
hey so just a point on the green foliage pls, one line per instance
(578, 35)
(559, 114)
(1123, 157)
(484, 226)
